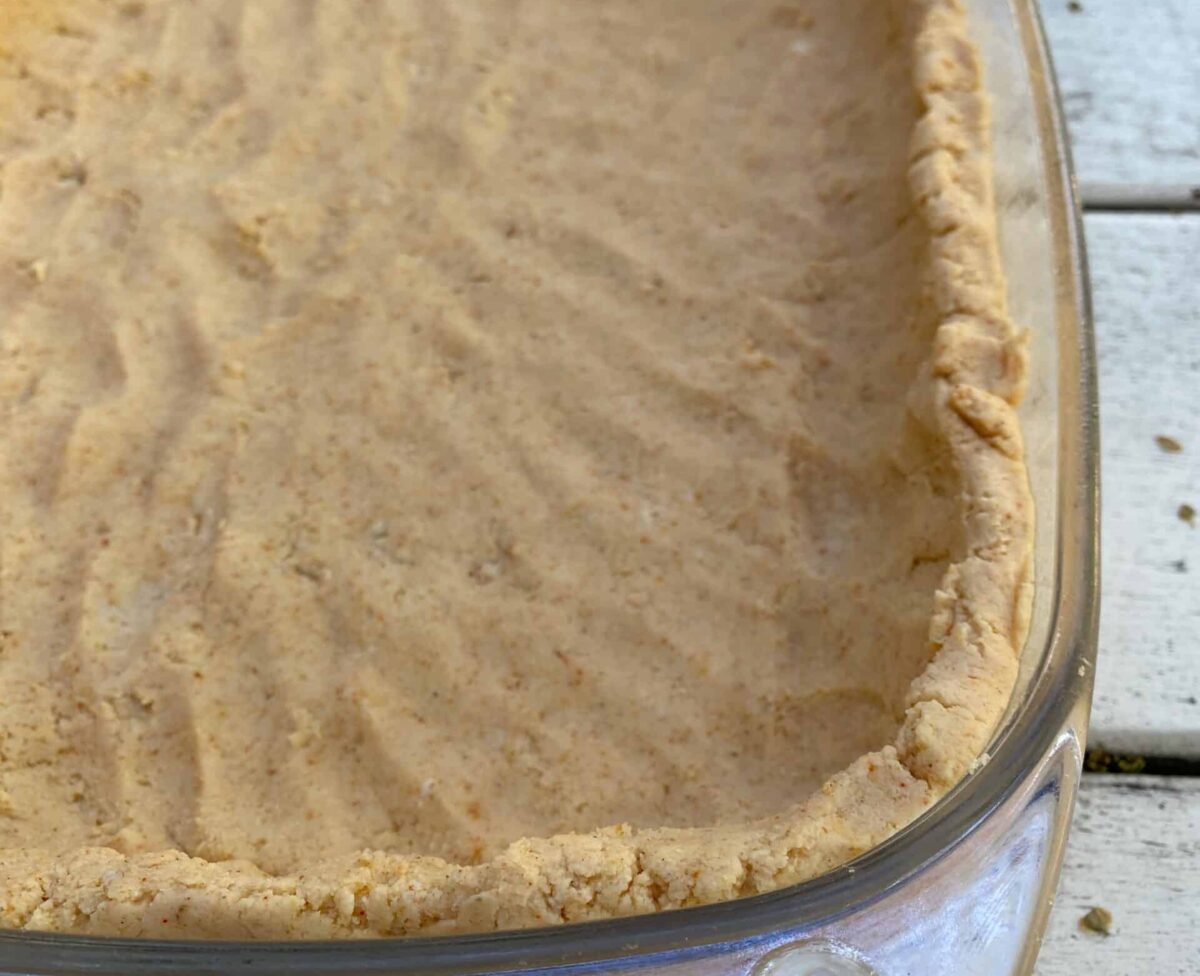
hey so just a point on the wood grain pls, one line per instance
(1135, 850)
(1146, 289)
(1130, 80)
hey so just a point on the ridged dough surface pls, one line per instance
(435, 433)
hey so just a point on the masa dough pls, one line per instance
(482, 464)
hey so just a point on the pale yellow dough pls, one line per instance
(471, 464)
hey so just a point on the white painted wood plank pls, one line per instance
(1130, 79)
(1135, 850)
(1146, 292)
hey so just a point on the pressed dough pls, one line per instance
(482, 464)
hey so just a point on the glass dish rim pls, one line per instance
(1062, 681)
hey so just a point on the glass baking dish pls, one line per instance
(968, 886)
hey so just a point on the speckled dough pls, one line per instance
(482, 464)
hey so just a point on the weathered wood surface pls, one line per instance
(1129, 71)
(1130, 78)
(1146, 292)
(1135, 850)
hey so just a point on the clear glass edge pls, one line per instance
(1059, 698)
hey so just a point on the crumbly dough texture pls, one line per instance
(471, 465)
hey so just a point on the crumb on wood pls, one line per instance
(1098, 920)
(1167, 444)
(1187, 514)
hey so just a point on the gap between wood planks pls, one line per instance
(1100, 761)
(1119, 198)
